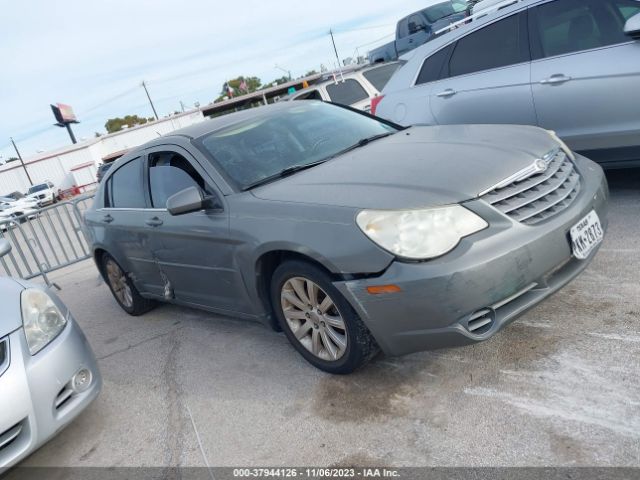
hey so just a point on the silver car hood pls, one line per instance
(11, 316)
(418, 167)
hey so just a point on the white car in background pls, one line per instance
(19, 210)
(44, 193)
(356, 89)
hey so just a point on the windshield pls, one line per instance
(442, 10)
(261, 147)
(38, 188)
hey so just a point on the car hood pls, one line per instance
(11, 316)
(417, 167)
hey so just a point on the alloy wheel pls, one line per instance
(314, 319)
(119, 284)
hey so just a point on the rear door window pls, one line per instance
(380, 76)
(569, 26)
(433, 66)
(499, 44)
(125, 188)
(347, 93)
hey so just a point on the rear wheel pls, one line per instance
(318, 321)
(123, 289)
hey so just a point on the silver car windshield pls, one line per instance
(310, 132)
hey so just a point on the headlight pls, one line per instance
(420, 234)
(563, 145)
(41, 319)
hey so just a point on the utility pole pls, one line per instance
(337, 56)
(144, 85)
(182, 105)
(21, 161)
(288, 72)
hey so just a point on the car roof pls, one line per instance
(214, 124)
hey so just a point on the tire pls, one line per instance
(123, 289)
(332, 336)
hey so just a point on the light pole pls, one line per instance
(288, 72)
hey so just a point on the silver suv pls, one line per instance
(572, 66)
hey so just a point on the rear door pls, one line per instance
(195, 255)
(486, 79)
(586, 74)
(124, 232)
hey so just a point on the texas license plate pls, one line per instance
(586, 235)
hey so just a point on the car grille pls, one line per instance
(541, 196)
(42, 197)
(4, 355)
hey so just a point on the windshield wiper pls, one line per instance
(283, 173)
(363, 142)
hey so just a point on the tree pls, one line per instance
(116, 124)
(241, 86)
(310, 72)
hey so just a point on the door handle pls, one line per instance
(154, 222)
(555, 79)
(447, 93)
(107, 218)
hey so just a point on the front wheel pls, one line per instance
(123, 289)
(318, 321)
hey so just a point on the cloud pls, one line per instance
(93, 55)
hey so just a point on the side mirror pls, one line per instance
(632, 27)
(5, 247)
(186, 201)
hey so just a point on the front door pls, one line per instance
(585, 75)
(487, 77)
(193, 251)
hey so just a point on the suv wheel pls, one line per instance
(318, 321)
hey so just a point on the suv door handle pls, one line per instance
(447, 93)
(107, 218)
(154, 222)
(555, 79)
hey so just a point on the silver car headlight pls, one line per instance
(564, 146)
(41, 318)
(420, 234)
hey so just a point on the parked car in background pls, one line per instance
(48, 373)
(348, 232)
(102, 169)
(44, 193)
(20, 210)
(14, 195)
(357, 90)
(420, 27)
(571, 66)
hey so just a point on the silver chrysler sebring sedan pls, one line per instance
(48, 373)
(348, 232)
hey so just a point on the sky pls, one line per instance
(93, 55)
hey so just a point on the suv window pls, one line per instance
(403, 28)
(416, 23)
(575, 25)
(125, 186)
(347, 93)
(170, 173)
(432, 66)
(312, 95)
(499, 44)
(380, 76)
